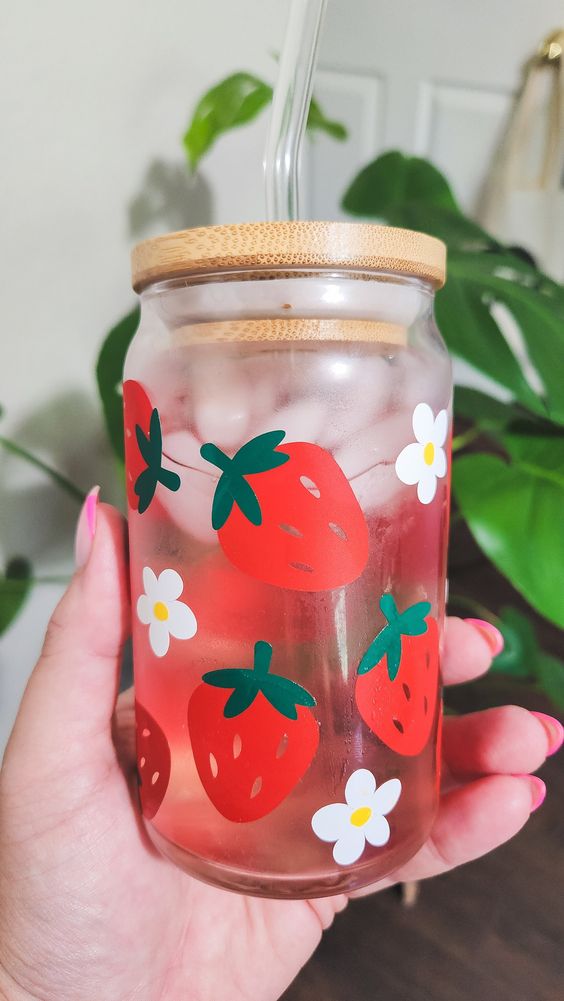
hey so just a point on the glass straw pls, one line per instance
(290, 106)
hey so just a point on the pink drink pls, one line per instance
(234, 789)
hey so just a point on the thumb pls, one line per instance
(68, 704)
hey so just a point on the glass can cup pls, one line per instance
(287, 437)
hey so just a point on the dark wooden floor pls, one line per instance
(492, 930)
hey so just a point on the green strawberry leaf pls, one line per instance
(144, 445)
(387, 643)
(155, 434)
(240, 700)
(227, 677)
(256, 456)
(413, 619)
(394, 654)
(211, 453)
(283, 706)
(376, 651)
(262, 658)
(169, 479)
(282, 693)
(222, 504)
(285, 695)
(145, 486)
(300, 695)
(151, 451)
(244, 684)
(263, 463)
(389, 607)
(246, 499)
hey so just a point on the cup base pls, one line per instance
(287, 887)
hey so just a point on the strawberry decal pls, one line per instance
(143, 448)
(253, 736)
(439, 752)
(153, 761)
(137, 410)
(398, 677)
(288, 516)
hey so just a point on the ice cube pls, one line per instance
(302, 421)
(368, 461)
(378, 488)
(382, 442)
(222, 407)
(184, 448)
(190, 506)
(421, 380)
(267, 379)
(167, 383)
(361, 398)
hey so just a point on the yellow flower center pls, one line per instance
(160, 611)
(361, 816)
(429, 453)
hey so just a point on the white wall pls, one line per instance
(94, 97)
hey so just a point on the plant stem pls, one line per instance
(460, 441)
(478, 610)
(67, 485)
(51, 579)
(21, 583)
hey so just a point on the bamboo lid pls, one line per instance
(268, 245)
(292, 329)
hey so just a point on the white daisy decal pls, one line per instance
(360, 819)
(160, 609)
(424, 461)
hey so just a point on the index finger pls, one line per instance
(467, 654)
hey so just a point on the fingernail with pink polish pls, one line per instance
(86, 528)
(490, 634)
(554, 730)
(538, 791)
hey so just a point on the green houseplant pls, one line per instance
(508, 468)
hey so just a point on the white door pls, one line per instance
(434, 79)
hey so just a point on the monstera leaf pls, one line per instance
(482, 277)
(109, 375)
(514, 510)
(408, 191)
(522, 657)
(236, 101)
(15, 584)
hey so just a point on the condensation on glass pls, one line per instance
(287, 421)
